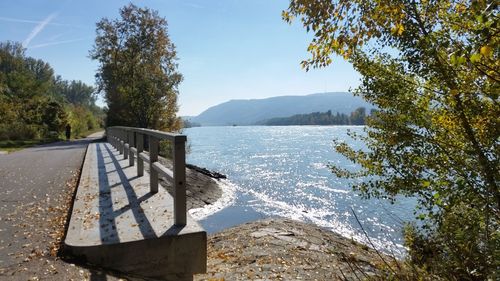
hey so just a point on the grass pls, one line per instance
(14, 145)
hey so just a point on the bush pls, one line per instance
(21, 131)
(464, 246)
(81, 120)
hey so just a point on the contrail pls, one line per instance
(38, 22)
(19, 20)
(56, 43)
(38, 29)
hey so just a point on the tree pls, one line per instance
(34, 103)
(23, 96)
(75, 92)
(138, 69)
(432, 70)
(358, 116)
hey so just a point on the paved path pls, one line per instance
(36, 185)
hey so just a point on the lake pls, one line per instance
(283, 171)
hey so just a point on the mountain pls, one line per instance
(249, 112)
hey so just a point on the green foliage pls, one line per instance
(357, 117)
(21, 131)
(75, 92)
(34, 104)
(432, 68)
(83, 114)
(81, 120)
(459, 249)
(138, 70)
(54, 116)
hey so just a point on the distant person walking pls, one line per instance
(68, 132)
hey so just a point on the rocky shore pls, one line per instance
(283, 249)
(202, 188)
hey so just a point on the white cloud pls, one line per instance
(38, 28)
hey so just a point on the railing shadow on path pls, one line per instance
(107, 222)
(107, 214)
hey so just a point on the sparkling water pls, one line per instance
(283, 171)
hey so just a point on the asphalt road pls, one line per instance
(35, 187)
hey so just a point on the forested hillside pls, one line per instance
(37, 104)
(357, 117)
(249, 112)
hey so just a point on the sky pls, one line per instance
(227, 49)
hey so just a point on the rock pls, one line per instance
(206, 172)
(283, 249)
(202, 187)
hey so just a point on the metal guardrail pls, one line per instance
(130, 142)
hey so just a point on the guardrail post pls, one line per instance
(126, 145)
(116, 140)
(153, 157)
(109, 133)
(140, 148)
(131, 141)
(179, 163)
(120, 140)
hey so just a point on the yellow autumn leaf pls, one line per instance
(398, 29)
(401, 29)
(485, 51)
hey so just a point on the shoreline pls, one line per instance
(226, 199)
(207, 192)
(284, 249)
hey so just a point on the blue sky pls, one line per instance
(227, 49)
